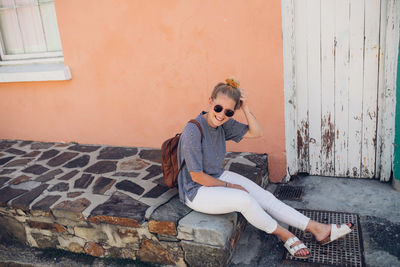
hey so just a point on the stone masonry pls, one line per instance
(112, 201)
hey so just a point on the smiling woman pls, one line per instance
(206, 187)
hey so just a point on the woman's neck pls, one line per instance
(206, 117)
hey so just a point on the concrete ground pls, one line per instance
(378, 205)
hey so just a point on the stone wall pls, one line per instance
(128, 214)
(184, 238)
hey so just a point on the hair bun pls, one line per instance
(232, 82)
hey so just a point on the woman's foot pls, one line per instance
(297, 248)
(285, 235)
(322, 232)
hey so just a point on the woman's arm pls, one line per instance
(207, 180)
(254, 127)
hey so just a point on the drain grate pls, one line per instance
(346, 251)
(289, 192)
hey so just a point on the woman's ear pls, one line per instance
(210, 101)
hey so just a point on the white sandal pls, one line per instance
(295, 249)
(337, 231)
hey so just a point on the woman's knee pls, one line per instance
(245, 200)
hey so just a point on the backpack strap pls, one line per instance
(198, 126)
(201, 132)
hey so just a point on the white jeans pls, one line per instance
(256, 206)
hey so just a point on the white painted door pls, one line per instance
(334, 53)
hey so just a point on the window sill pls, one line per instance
(34, 73)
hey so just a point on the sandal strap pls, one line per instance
(337, 232)
(295, 249)
(291, 241)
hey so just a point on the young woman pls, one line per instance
(206, 187)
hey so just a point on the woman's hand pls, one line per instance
(243, 97)
(254, 127)
(236, 186)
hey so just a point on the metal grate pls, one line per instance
(289, 192)
(347, 251)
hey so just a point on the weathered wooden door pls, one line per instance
(337, 104)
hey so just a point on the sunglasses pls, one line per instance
(228, 112)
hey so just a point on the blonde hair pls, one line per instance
(229, 91)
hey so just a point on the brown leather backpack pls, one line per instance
(169, 158)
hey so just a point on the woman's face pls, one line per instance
(216, 119)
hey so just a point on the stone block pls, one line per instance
(175, 252)
(102, 184)
(26, 199)
(41, 145)
(122, 206)
(83, 148)
(72, 243)
(7, 171)
(60, 187)
(45, 241)
(20, 179)
(62, 158)
(129, 186)
(78, 163)
(35, 169)
(153, 171)
(71, 209)
(133, 165)
(117, 152)
(74, 194)
(18, 162)
(128, 236)
(72, 223)
(172, 211)
(162, 227)
(8, 193)
(54, 227)
(203, 255)
(114, 220)
(90, 234)
(39, 213)
(48, 154)
(11, 230)
(93, 249)
(75, 247)
(167, 238)
(153, 251)
(4, 180)
(69, 175)
(5, 160)
(83, 182)
(45, 203)
(125, 253)
(102, 167)
(31, 154)
(208, 229)
(153, 155)
(48, 175)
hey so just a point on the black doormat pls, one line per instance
(289, 192)
(347, 251)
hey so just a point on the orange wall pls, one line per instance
(141, 69)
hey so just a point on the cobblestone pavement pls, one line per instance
(81, 178)
(90, 179)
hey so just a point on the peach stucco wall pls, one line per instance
(141, 69)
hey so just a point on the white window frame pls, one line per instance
(24, 67)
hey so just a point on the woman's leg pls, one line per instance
(221, 200)
(278, 209)
(268, 201)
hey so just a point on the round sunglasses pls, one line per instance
(228, 112)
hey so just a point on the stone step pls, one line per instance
(112, 202)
